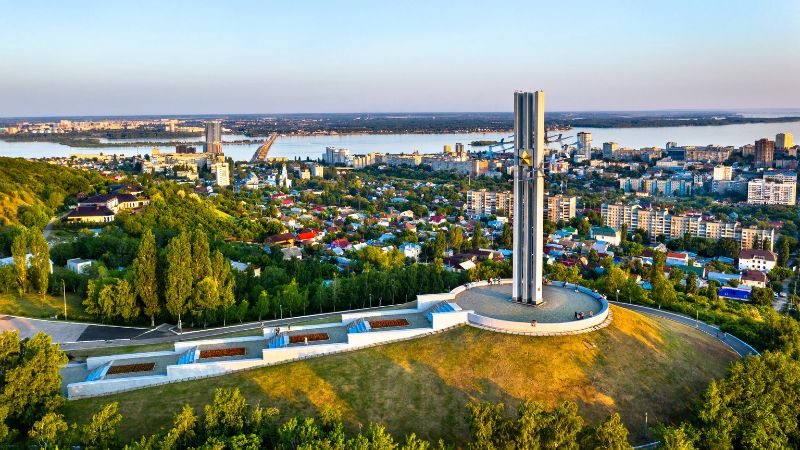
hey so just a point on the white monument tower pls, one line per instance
(529, 136)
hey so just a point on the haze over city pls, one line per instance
(202, 57)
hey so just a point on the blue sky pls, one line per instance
(197, 57)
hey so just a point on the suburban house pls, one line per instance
(242, 267)
(79, 265)
(606, 234)
(677, 259)
(757, 259)
(755, 278)
(97, 214)
(292, 253)
(283, 239)
(103, 207)
(411, 250)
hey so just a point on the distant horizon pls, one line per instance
(786, 112)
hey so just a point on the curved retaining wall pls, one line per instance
(576, 326)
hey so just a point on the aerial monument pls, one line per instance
(529, 142)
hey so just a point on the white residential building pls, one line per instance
(776, 188)
(756, 259)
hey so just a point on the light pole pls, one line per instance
(617, 295)
(280, 305)
(64, 292)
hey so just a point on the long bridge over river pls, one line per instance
(262, 151)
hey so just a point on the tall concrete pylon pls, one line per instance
(529, 137)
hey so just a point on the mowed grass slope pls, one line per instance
(633, 366)
(33, 305)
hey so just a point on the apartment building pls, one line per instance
(658, 222)
(484, 203)
(775, 188)
(560, 208)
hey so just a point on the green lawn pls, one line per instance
(633, 366)
(32, 305)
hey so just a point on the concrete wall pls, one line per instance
(94, 362)
(278, 355)
(349, 317)
(522, 327)
(181, 347)
(426, 301)
(356, 340)
(109, 386)
(449, 319)
(189, 371)
(544, 328)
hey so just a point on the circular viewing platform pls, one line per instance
(567, 309)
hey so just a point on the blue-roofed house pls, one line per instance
(738, 294)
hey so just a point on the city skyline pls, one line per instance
(91, 58)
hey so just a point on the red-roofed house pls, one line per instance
(677, 259)
(438, 220)
(342, 243)
(307, 236)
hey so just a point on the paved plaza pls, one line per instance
(560, 304)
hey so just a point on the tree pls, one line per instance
(663, 292)
(762, 296)
(201, 256)
(677, 438)
(506, 238)
(179, 275)
(40, 262)
(125, 300)
(783, 253)
(144, 276)
(691, 283)
(205, 296)
(221, 269)
(610, 434)
(30, 377)
(101, 432)
(477, 240)
(227, 414)
(19, 251)
(48, 430)
(456, 237)
(183, 430)
(584, 227)
(727, 247)
(755, 406)
(262, 305)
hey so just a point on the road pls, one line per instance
(739, 346)
(63, 332)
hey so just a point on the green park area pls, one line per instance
(634, 366)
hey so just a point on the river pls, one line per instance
(314, 146)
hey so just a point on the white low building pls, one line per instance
(757, 259)
(79, 265)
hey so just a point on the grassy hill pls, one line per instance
(41, 185)
(633, 366)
